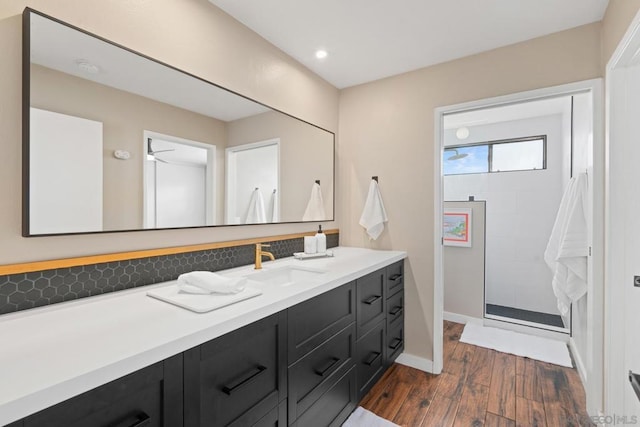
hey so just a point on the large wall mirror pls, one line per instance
(116, 141)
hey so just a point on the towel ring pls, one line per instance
(375, 178)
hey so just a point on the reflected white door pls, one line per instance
(65, 174)
(252, 166)
(180, 195)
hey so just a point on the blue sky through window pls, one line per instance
(476, 161)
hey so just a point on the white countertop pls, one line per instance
(50, 354)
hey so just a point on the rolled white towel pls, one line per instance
(207, 282)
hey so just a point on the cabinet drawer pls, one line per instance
(370, 294)
(395, 278)
(370, 358)
(334, 406)
(241, 375)
(311, 376)
(277, 417)
(395, 342)
(314, 321)
(153, 394)
(395, 310)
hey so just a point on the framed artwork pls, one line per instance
(456, 226)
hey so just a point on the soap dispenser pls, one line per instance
(321, 240)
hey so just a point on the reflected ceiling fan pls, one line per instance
(151, 152)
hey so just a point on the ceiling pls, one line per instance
(370, 39)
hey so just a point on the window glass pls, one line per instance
(463, 160)
(515, 156)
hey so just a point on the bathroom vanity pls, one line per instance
(299, 354)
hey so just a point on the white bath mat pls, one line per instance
(363, 418)
(538, 348)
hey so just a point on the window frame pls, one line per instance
(490, 145)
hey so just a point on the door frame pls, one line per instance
(626, 53)
(211, 182)
(594, 364)
(230, 185)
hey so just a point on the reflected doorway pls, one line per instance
(179, 182)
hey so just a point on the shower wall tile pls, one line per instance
(28, 290)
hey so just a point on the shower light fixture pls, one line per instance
(462, 133)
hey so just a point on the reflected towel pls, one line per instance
(275, 208)
(256, 213)
(206, 282)
(568, 247)
(315, 207)
(374, 214)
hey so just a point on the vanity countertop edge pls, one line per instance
(53, 353)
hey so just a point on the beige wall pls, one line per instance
(616, 20)
(306, 154)
(386, 129)
(204, 41)
(463, 268)
(125, 117)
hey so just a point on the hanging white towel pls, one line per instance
(315, 207)
(568, 246)
(373, 215)
(275, 209)
(256, 213)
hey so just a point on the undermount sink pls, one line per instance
(286, 276)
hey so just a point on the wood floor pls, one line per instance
(477, 387)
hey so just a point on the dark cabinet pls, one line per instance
(314, 321)
(304, 366)
(311, 376)
(334, 406)
(395, 278)
(370, 357)
(394, 344)
(150, 397)
(370, 294)
(238, 378)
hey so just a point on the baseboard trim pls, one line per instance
(579, 363)
(417, 362)
(460, 318)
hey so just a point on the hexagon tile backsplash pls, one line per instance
(28, 290)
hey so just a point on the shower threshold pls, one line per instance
(542, 319)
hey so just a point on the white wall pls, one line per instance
(521, 210)
(463, 268)
(63, 149)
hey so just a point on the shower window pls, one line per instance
(521, 154)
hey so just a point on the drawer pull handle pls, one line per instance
(397, 342)
(395, 277)
(372, 358)
(327, 367)
(395, 310)
(372, 299)
(244, 379)
(141, 420)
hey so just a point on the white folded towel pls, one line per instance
(256, 213)
(373, 215)
(207, 282)
(315, 207)
(568, 247)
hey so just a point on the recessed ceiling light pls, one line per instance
(321, 53)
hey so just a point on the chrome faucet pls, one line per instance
(260, 253)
